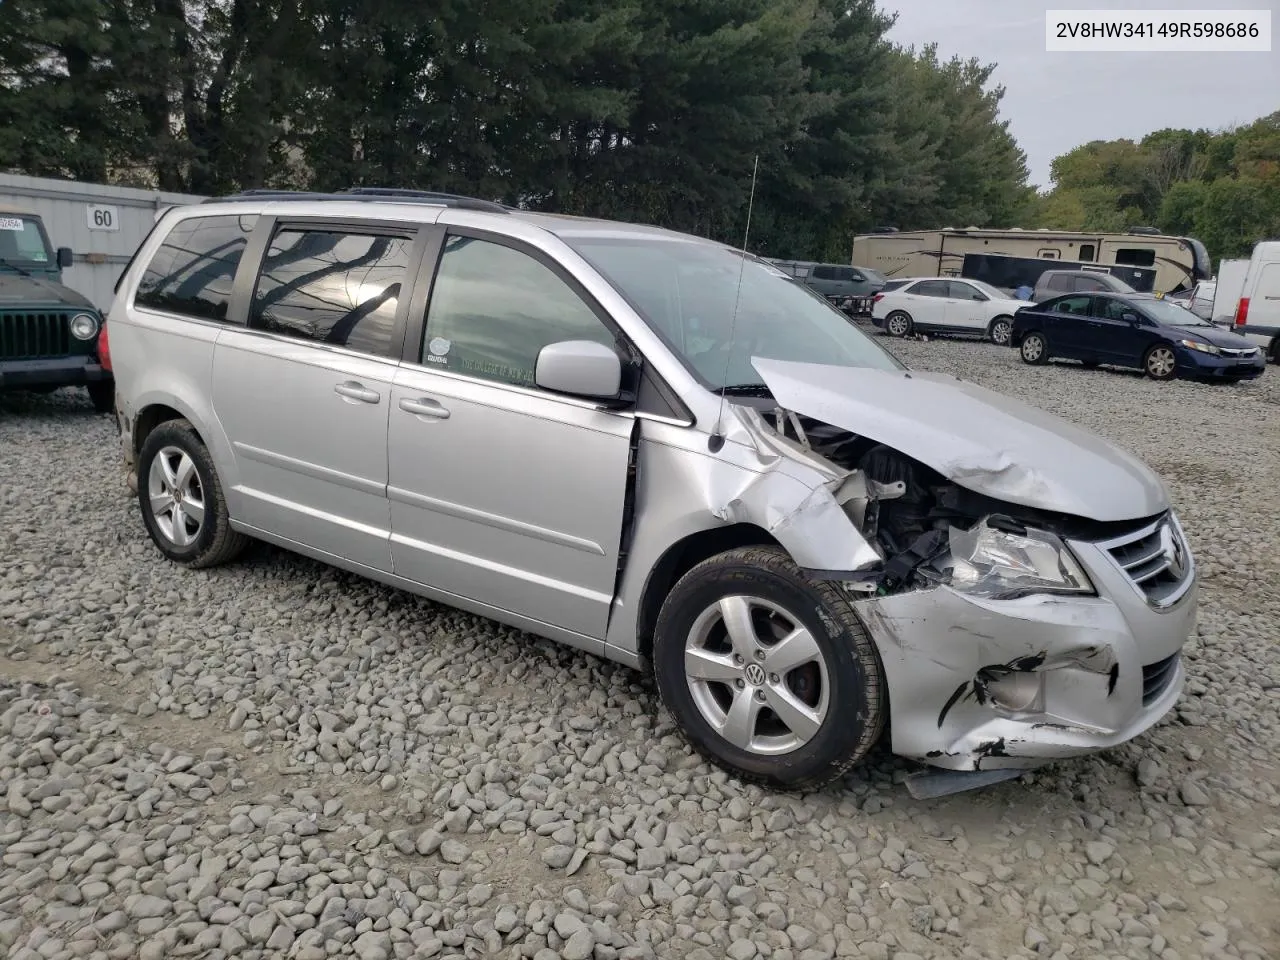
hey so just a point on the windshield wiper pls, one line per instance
(13, 266)
(746, 390)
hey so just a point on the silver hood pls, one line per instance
(977, 438)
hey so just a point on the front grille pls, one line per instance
(33, 336)
(1156, 560)
(1157, 677)
(1238, 351)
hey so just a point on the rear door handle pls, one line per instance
(424, 407)
(354, 390)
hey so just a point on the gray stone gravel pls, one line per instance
(276, 759)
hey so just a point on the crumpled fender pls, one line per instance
(805, 502)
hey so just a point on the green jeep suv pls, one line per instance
(48, 332)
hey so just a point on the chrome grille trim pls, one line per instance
(1155, 559)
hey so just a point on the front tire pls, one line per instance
(1160, 363)
(898, 323)
(1001, 331)
(770, 675)
(1034, 349)
(181, 498)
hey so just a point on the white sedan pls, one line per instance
(945, 305)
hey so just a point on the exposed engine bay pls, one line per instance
(915, 517)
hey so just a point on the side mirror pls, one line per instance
(65, 257)
(582, 368)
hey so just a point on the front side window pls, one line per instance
(1110, 309)
(1074, 306)
(494, 308)
(716, 311)
(332, 287)
(193, 271)
(963, 291)
(22, 241)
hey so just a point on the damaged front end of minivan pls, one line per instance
(1026, 585)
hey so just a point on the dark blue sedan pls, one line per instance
(1133, 330)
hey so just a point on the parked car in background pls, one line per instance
(642, 444)
(845, 286)
(1257, 314)
(1133, 330)
(48, 332)
(1053, 283)
(945, 305)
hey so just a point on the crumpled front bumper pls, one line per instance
(1110, 665)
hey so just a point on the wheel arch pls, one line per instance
(677, 560)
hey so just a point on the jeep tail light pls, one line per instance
(104, 348)
(1242, 312)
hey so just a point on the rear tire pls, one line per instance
(102, 394)
(898, 323)
(181, 498)
(1034, 349)
(770, 675)
(1274, 353)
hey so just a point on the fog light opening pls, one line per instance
(1017, 691)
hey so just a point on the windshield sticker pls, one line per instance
(12, 223)
(438, 348)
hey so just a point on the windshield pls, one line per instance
(1167, 312)
(22, 241)
(686, 292)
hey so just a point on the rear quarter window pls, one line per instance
(193, 271)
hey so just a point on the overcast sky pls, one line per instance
(1057, 101)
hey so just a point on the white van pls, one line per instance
(1258, 311)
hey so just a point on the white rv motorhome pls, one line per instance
(1179, 262)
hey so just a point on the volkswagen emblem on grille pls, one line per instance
(755, 674)
(1174, 551)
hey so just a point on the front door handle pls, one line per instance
(354, 390)
(424, 407)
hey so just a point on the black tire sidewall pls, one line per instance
(847, 713)
(184, 438)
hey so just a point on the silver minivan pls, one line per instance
(650, 447)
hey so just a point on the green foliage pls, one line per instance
(1223, 188)
(650, 110)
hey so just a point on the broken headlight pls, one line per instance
(1000, 564)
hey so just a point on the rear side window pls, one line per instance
(1076, 306)
(332, 287)
(193, 271)
(1087, 285)
(893, 285)
(1058, 282)
(824, 273)
(931, 288)
(493, 308)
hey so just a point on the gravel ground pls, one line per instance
(277, 759)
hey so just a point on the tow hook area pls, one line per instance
(930, 784)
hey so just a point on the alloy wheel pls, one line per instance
(175, 496)
(898, 325)
(1001, 331)
(1032, 348)
(757, 675)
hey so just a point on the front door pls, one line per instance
(501, 492)
(304, 393)
(1119, 340)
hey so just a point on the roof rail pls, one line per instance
(370, 194)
